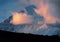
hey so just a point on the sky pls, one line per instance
(9, 6)
(49, 9)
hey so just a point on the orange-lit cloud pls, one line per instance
(21, 18)
(43, 10)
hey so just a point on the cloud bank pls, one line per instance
(44, 10)
(21, 18)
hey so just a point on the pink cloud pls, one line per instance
(21, 18)
(43, 10)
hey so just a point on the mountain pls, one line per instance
(51, 29)
(55, 25)
(7, 26)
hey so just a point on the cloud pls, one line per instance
(21, 18)
(43, 9)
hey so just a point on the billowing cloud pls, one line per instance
(43, 9)
(21, 18)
